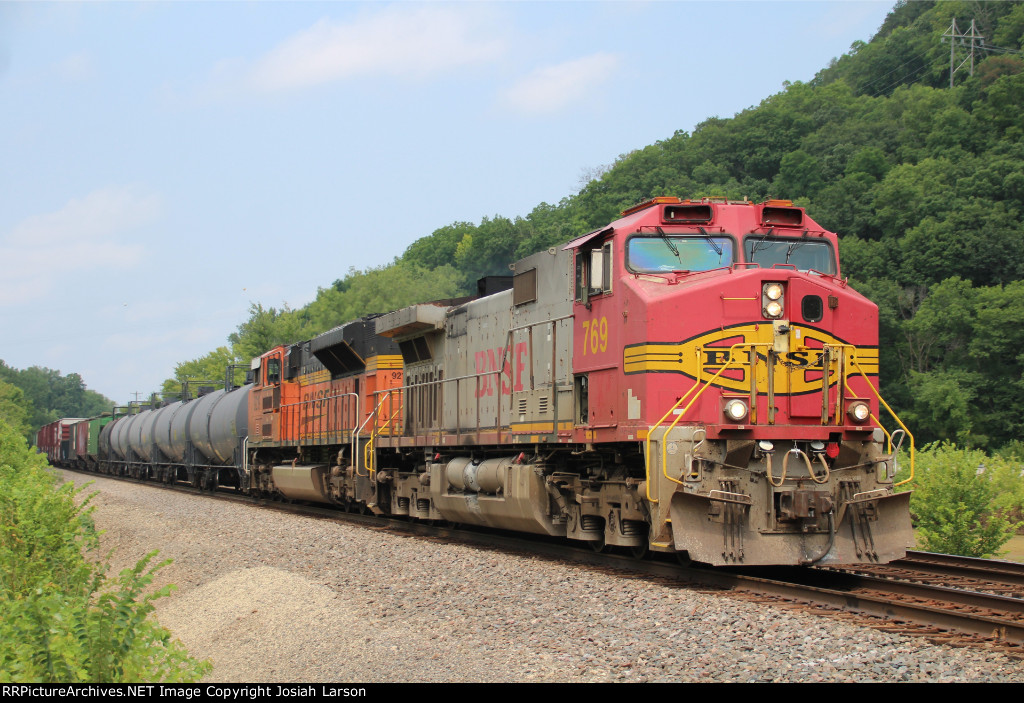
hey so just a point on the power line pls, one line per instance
(1001, 50)
(919, 57)
(971, 42)
(923, 64)
(902, 79)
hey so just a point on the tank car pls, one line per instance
(306, 409)
(200, 441)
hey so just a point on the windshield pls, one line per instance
(674, 253)
(802, 253)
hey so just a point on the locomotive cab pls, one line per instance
(750, 371)
(270, 390)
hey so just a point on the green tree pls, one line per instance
(48, 395)
(490, 248)
(911, 192)
(14, 408)
(379, 290)
(210, 367)
(799, 175)
(980, 241)
(438, 248)
(1009, 30)
(265, 329)
(943, 406)
(999, 108)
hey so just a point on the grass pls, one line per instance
(1016, 549)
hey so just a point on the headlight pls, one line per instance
(772, 300)
(859, 412)
(735, 410)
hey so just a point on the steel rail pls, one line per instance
(975, 624)
(987, 569)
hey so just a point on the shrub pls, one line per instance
(61, 618)
(962, 500)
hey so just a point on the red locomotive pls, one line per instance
(696, 377)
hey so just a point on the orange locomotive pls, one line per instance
(311, 407)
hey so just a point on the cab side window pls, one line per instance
(273, 371)
(593, 271)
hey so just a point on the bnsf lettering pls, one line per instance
(800, 359)
(317, 396)
(809, 359)
(510, 378)
(713, 357)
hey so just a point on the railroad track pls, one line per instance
(987, 575)
(943, 612)
(946, 599)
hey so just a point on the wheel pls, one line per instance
(597, 544)
(639, 551)
(683, 557)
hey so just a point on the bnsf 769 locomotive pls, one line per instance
(693, 378)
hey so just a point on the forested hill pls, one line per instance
(924, 183)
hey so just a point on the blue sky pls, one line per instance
(165, 165)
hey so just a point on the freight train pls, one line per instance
(694, 378)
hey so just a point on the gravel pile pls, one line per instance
(272, 597)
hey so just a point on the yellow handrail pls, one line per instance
(368, 447)
(891, 412)
(372, 415)
(707, 384)
(703, 387)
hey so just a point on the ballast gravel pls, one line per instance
(273, 597)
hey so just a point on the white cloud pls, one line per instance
(84, 234)
(98, 215)
(404, 40)
(552, 88)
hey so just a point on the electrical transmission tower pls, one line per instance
(956, 39)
